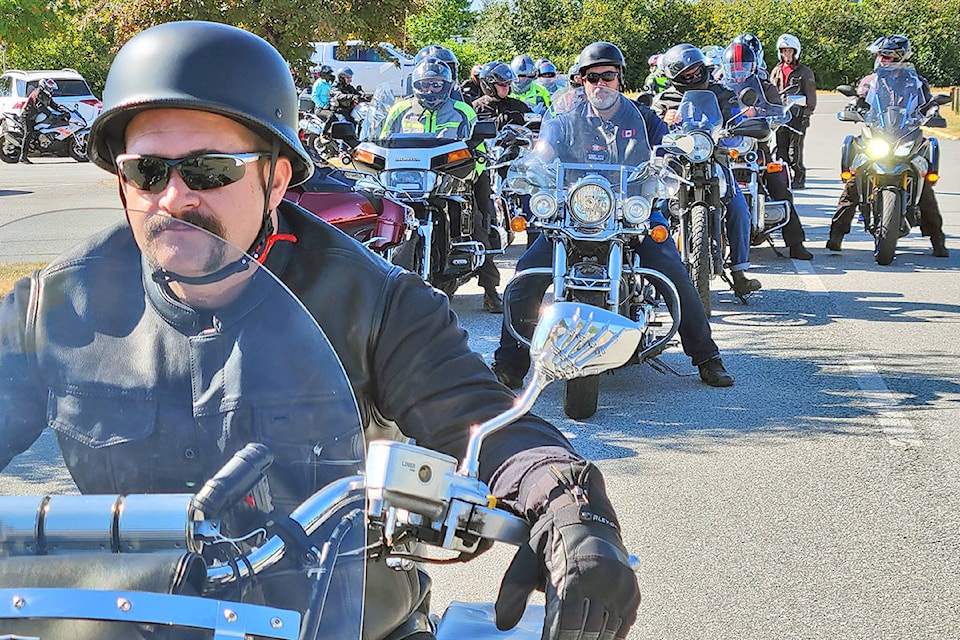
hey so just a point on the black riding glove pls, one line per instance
(576, 556)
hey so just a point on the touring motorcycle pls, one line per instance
(891, 158)
(434, 174)
(217, 560)
(596, 215)
(61, 132)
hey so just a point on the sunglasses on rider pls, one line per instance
(434, 85)
(548, 75)
(606, 76)
(887, 57)
(199, 172)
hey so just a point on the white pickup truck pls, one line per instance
(371, 65)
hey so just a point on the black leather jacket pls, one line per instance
(404, 354)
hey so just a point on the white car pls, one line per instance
(72, 91)
(371, 65)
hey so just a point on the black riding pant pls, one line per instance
(931, 222)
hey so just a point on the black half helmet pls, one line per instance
(205, 66)
(599, 53)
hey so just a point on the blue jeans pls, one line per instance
(738, 229)
(525, 297)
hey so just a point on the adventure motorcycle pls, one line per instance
(891, 158)
(434, 174)
(698, 212)
(234, 557)
(749, 162)
(596, 215)
(61, 132)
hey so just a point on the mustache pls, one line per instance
(155, 225)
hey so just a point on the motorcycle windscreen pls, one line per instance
(700, 111)
(895, 95)
(155, 350)
(763, 108)
(392, 117)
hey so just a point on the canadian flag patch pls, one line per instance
(628, 133)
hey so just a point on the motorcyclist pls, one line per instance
(406, 358)
(602, 67)
(496, 103)
(320, 92)
(573, 74)
(686, 68)
(525, 89)
(433, 110)
(890, 49)
(448, 58)
(792, 78)
(740, 64)
(344, 96)
(39, 101)
(753, 42)
(470, 88)
(655, 81)
(547, 76)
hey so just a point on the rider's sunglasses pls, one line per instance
(548, 75)
(199, 172)
(435, 85)
(594, 78)
(504, 84)
(886, 57)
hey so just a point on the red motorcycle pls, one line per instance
(332, 195)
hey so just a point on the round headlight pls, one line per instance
(636, 210)
(702, 147)
(543, 205)
(591, 204)
(878, 148)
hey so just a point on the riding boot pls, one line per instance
(800, 252)
(836, 239)
(742, 285)
(492, 302)
(939, 246)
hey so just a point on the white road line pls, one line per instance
(809, 279)
(879, 400)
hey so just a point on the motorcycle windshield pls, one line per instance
(895, 95)
(763, 108)
(577, 144)
(395, 120)
(156, 350)
(700, 111)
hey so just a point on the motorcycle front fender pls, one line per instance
(846, 153)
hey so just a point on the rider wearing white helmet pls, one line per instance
(791, 77)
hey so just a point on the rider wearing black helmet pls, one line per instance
(447, 57)
(496, 104)
(686, 68)
(753, 42)
(39, 101)
(893, 49)
(343, 95)
(189, 140)
(320, 92)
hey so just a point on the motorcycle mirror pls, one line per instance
(941, 99)
(847, 90)
(342, 131)
(748, 97)
(570, 340)
(483, 130)
(796, 101)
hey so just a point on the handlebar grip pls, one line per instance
(234, 480)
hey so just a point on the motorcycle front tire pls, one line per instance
(887, 205)
(78, 151)
(409, 255)
(700, 254)
(581, 394)
(9, 153)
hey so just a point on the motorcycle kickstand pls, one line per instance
(774, 247)
(662, 367)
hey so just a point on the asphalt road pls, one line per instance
(816, 498)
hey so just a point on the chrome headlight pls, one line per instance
(543, 205)
(591, 202)
(878, 148)
(636, 210)
(702, 147)
(409, 180)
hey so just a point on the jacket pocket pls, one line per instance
(98, 419)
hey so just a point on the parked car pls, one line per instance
(372, 65)
(72, 92)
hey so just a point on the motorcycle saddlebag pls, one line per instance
(173, 572)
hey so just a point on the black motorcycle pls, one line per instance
(891, 158)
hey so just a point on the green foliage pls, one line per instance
(440, 21)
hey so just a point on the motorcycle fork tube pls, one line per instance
(426, 233)
(614, 273)
(559, 270)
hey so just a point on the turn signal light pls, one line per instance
(659, 233)
(364, 156)
(774, 167)
(846, 175)
(518, 223)
(932, 177)
(459, 154)
(734, 154)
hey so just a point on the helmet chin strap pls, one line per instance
(257, 251)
